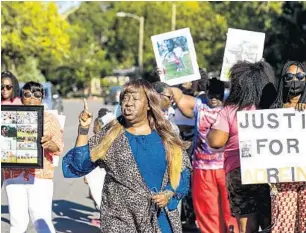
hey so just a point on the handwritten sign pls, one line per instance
(241, 45)
(272, 146)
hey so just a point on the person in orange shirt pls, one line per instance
(30, 191)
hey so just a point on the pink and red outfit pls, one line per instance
(209, 193)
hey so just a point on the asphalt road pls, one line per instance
(72, 208)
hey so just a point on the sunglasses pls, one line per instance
(290, 76)
(36, 94)
(7, 87)
(215, 96)
(170, 97)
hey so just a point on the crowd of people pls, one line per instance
(167, 145)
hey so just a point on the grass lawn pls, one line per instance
(22, 134)
(171, 67)
(16, 160)
(33, 160)
(9, 160)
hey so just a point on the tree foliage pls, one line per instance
(92, 41)
(33, 29)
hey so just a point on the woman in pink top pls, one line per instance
(9, 89)
(252, 87)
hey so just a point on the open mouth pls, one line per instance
(127, 112)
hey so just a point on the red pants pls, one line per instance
(210, 201)
(289, 208)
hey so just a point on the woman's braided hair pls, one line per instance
(15, 83)
(282, 93)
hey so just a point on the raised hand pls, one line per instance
(300, 107)
(85, 117)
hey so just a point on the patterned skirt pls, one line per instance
(289, 208)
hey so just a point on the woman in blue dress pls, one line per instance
(147, 168)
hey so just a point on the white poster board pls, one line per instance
(272, 146)
(95, 180)
(176, 57)
(241, 45)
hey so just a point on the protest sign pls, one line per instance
(176, 57)
(241, 45)
(272, 146)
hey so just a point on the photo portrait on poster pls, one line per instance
(21, 133)
(241, 45)
(176, 57)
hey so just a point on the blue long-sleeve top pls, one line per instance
(150, 157)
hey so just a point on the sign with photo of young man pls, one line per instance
(176, 57)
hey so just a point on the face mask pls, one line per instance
(295, 87)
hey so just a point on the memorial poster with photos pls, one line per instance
(21, 133)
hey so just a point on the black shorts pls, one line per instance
(247, 199)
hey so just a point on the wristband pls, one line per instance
(83, 131)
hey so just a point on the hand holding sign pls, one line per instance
(300, 107)
(85, 117)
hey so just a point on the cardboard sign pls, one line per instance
(272, 146)
(176, 57)
(241, 45)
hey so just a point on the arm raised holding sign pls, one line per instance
(205, 110)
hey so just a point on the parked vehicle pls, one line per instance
(113, 97)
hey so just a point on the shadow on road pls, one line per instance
(73, 217)
(5, 220)
(65, 225)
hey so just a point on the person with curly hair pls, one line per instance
(252, 87)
